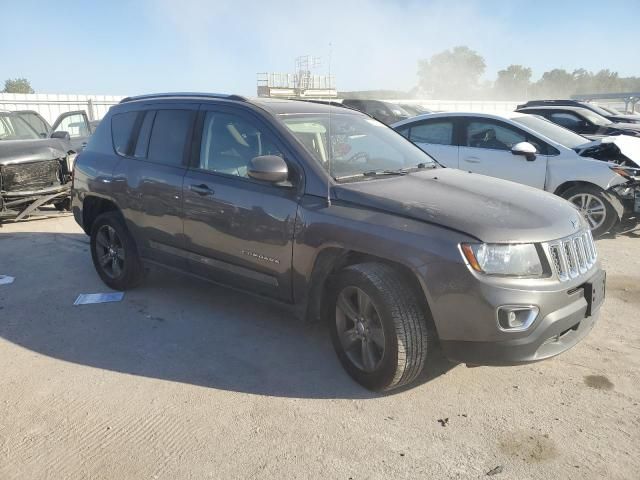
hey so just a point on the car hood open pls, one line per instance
(621, 149)
(21, 151)
(490, 209)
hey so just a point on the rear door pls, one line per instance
(239, 230)
(76, 124)
(486, 149)
(436, 137)
(149, 177)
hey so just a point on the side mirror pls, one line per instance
(526, 150)
(62, 135)
(268, 168)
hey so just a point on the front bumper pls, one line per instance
(556, 333)
(465, 306)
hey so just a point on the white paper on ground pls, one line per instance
(6, 279)
(87, 298)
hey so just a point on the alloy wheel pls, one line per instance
(591, 207)
(360, 329)
(111, 254)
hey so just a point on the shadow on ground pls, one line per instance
(173, 327)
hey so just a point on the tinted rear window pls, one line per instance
(169, 136)
(122, 126)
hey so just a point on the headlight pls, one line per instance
(519, 260)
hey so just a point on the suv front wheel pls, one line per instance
(114, 252)
(378, 326)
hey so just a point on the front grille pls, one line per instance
(573, 256)
(22, 177)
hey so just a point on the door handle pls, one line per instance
(472, 160)
(201, 189)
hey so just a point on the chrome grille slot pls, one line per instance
(572, 256)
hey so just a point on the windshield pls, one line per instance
(399, 111)
(358, 145)
(15, 128)
(611, 110)
(594, 117)
(600, 110)
(552, 131)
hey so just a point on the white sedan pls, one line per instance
(601, 178)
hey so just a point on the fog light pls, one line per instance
(516, 318)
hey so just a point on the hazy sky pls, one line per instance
(127, 47)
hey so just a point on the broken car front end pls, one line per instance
(32, 179)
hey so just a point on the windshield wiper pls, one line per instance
(375, 173)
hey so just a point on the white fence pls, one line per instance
(52, 105)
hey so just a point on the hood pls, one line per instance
(633, 119)
(621, 149)
(623, 127)
(490, 209)
(22, 151)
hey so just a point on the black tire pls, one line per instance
(130, 270)
(399, 313)
(610, 215)
(63, 205)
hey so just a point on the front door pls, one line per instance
(239, 230)
(76, 124)
(486, 149)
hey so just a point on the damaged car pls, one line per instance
(34, 171)
(601, 178)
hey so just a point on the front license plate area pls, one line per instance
(594, 292)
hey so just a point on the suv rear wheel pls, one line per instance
(114, 252)
(594, 207)
(378, 326)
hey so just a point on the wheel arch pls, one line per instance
(333, 259)
(94, 206)
(611, 197)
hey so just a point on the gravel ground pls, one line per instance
(184, 379)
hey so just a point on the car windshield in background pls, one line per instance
(15, 128)
(398, 110)
(554, 132)
(358, 146)
(595, 118)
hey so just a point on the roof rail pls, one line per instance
(183, 94)
(325, 102)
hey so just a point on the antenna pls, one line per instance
(330, 141)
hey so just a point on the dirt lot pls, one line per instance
(184, 379)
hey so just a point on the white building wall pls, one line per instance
(51, 105)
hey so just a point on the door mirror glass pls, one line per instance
(268, 168)
(61, 134)
(525, 149)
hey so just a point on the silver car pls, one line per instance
(601, 178)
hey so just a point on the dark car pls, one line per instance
(386, 113)
(607, 112)
(583, 121)
(34, 171)
(331, 212)
(414, 109)
(75, 123)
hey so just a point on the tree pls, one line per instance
(556, 83)
(513, 82)
(452, 73)
(17, 85)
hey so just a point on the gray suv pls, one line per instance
(326, 209)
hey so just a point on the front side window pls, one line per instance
(492, 136)
(568, 120)
(75, 125)
(169, 136)
(439, 133)
(348, 145)
(229, 142)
